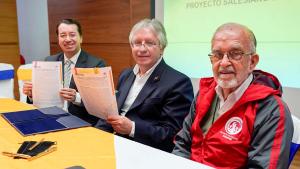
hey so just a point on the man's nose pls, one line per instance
(68, 38)
(225, 60)
(143, 47)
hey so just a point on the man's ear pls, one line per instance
(254, 59)
(81, 38)
(161, 52)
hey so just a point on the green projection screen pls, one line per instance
(276, 24)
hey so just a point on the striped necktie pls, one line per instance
(67, 73)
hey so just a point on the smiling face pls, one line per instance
(230, 74)
(145, 47)
(69, 39)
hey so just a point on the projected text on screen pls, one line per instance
(190, 25)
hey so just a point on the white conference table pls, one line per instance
(133, 155)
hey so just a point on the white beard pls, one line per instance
(228, 84)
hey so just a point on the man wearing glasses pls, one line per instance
(152, 97)
(238, 119)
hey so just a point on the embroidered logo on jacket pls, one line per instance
(234, 125)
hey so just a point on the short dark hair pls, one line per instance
(70, 22)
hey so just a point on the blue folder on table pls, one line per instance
(43, 120)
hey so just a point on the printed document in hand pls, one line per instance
(46, 84)
(96, 89)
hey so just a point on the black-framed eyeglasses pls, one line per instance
(235, 55)
(145, 44)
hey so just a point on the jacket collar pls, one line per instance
(81, 62)
(148, 88)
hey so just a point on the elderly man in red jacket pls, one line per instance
(238, 119)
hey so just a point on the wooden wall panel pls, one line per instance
(104, 21)
(106, 25)
(9, 53)
(113, 54)
(140, 9)
(9, 44)
(296, 161)
(8, 22)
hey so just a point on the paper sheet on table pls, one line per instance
(96, 89)
(46, 84)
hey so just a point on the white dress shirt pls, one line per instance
(138, 84)
(233, 97)
(77, 97)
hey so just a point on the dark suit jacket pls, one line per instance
(85, 60)
(159, 109)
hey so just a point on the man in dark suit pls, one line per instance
(152, 97)
(69, 35)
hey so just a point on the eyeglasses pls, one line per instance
(145, 44)
(231, 55)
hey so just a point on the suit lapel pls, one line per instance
(150, 85)
(60, 57)
(81, 63)
(124, 90)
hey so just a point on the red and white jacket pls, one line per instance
(255, 133)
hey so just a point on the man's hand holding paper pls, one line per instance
(121, 124)
(68, 94)
(27, 88)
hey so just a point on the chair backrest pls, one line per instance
(295, 145)
(6, 80)
(195, 84)
(24, 74)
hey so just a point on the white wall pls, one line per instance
(291, 97)
(159, 10)
(33, 29)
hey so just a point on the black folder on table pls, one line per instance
(43, 120)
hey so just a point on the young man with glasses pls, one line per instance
(238, 119)
(152, 97)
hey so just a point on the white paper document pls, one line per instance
(46, 84)
(96, 89)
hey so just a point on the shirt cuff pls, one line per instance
(77, 99)
(132, 130)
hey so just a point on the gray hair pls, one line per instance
(244, 28)
(153, 24)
